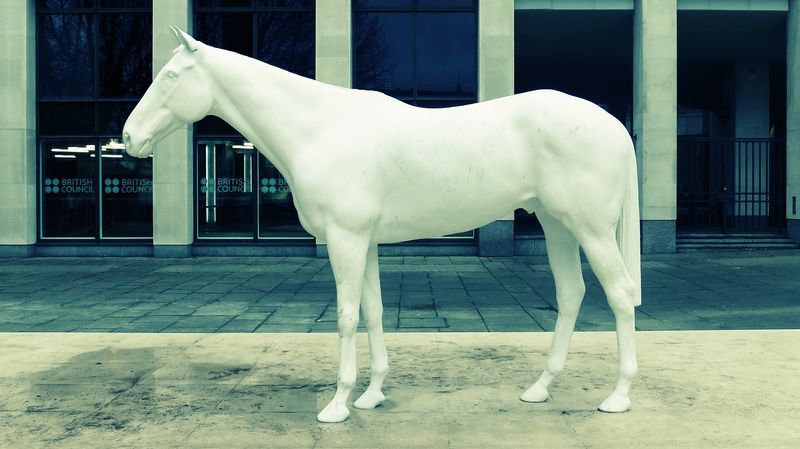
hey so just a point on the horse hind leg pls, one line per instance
(604, 256)
(373, 314)
(565, 263)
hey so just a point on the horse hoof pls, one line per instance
(369, 400)
(615, 404)
(333, 413)
(535, 393)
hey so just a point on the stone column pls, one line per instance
(173, 186)
(334, 60)
(655, 119)
(17, 128)
(793, 121)
(495, 80)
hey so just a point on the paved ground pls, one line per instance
(756, 290)
(717, 389)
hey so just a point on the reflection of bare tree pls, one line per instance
(374, 67)
(67, 55)
(286, 40)
(125, 54)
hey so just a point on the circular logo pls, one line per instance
(55, 181)
(204, 189)
(203, 181)
(264, 181)
(47, 181)
(108, 181)
(264, 189)
(107, 189)
(48, 189)
(272, 189)
(55, 189)
(115, 181)
(272, 181)
(115, 190)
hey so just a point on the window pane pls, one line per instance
(127, 193)
(231, 31)
(65, 4)
(285, 3)
(66, 55)
(113, 116)
(286, 40)
(68, 188)
(223, 3)
(446, 4)
(384, 58)
(442, 103)
(225, 190)
(446, 54)
(138, 4)
(125, 55)
(277, 216)
(66, 118)
(373, 4)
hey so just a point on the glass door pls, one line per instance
(225, 196)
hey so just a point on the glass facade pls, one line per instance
(421, 52)
(94, 63)
(240, 195)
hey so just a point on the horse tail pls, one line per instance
(628, 233)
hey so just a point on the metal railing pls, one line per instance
(731, 185)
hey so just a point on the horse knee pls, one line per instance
(347, 321)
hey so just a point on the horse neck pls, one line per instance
(278, 111)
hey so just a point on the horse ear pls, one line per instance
(184, 39)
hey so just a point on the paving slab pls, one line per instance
(749, 290)
(698, 389)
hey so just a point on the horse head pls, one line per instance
(180, 94)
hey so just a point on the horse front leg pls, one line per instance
(373, 313)
(347, 252)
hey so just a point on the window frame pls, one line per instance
(95, 100)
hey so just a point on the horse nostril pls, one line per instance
(126, 139)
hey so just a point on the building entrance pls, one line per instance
(240, 195)
(731, 161)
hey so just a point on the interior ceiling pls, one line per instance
(729, 36)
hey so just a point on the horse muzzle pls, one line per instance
(140, 148)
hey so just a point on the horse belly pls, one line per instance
(425, 209)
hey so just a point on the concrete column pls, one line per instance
(17, 128)
(334, 59)
(793, 120)
(655, 119)
(173, 186)
(333, 41)
(495, 80)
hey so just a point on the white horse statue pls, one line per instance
(366, 169)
